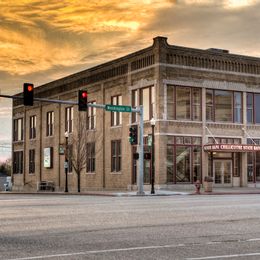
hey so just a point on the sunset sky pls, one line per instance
(41, 41)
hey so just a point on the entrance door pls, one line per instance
(222, 170)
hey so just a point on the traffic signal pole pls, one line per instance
(140, 183)
(139, 110)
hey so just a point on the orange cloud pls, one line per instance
(37, 35)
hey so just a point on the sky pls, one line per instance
(41, 41)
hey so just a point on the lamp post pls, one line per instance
(152, 180)
(66, 162)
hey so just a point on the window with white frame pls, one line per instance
(50, 123)
(69, 119)
(32, 133)
(91, 116)
(116, 117)
(147, 100)
(18, 129)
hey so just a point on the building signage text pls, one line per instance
(231, 147)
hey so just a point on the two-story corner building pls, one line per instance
(205, 104)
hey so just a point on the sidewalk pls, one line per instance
(161, 192)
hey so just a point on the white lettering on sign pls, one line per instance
(231, 147)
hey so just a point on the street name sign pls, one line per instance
(115, 108)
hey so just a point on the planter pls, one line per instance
(208, 186)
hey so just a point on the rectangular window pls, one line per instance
(257, 108)
(92, 116)
(237, 107)
(223, 106)
(69, 119)
(18, 162)
(91, 165)
(50, 123)
(183, 162)
(134, 104)
(32, 133)
(196, 104)
(31, 161)
(184, 103)
(209, 105)
(170, 103)
(18, 129)
(116, 117)
(116, 156)
(249, 107)
(147, 100)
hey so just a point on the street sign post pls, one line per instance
(115, 108)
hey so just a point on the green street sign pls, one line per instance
(115, 108)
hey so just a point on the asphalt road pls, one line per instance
(166, 227)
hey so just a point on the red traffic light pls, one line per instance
(84, 94)
(30, 88)
(83, 100)
(28, 94)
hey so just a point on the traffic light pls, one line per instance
(133, 134)
(28, 94)
(83, 100)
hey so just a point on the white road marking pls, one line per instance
(253, 239)
(143, 248)
(222, 256)
(98, 251)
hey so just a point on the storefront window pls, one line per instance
(183, 159)
(250, 167)
(183, 164)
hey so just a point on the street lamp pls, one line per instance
(66, 161)
(152, 180)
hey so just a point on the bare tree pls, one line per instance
(78, 146)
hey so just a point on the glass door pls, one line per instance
(222, 170)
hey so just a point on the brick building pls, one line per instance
(205, 104)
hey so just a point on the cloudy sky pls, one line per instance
(41, 41)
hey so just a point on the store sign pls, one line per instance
(231, 148)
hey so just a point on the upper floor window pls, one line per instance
(147, 99)
(116, 117)
(49, 123)
(253, 106)
(92, 116)
(69, 119)
(91, 157)
(32, 133)
(184, 103)
(223, 106)
(18, 129)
